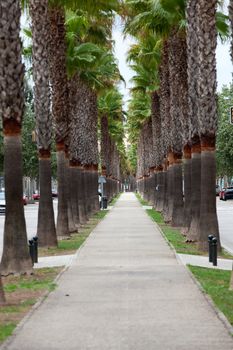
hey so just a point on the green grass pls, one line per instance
(6, 330)
(141, 200)
(115, 199)
(177, 240)
(216, 284)
(42, 279)
(174, 237)
(17, 308)
(157, 217)
(74, 242)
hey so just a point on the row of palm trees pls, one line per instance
(174, 98)
(75, 76)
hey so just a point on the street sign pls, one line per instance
(231, 116)
(102, 180)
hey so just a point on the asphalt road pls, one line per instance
(224, 209)
(31, 214)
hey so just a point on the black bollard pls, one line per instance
(35, 240)
(210, 238)
(31, 249)
(215, 250)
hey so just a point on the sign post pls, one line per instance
(102, 181)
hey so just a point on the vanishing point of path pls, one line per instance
(124, 291)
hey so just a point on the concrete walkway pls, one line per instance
(125, 290)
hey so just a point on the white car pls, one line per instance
(2, 203)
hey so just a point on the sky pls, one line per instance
(224, 64)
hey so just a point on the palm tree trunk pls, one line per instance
(160, 191)
(69, 179)
(155, 188)
(83, 193)
(75, 195)
(194, 229)
(60, 105)
(208, 213)
(169, 198)
(178, 202)
(95, 178)
(2, 295)
(62, 213)
(15, 257)
(46, 230)
(187, 187)
(207, 85)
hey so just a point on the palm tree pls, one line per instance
(230, 8)
(46, 230)
(192, 63)
(207, 114)
(58, 78)
(15, 258)
(111, 125)
(95, 8)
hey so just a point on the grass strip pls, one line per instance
(216, 284)
(141, 200)
(74, 242)
(6, 330)
(22, 292)
(177, 240)
(115, 199)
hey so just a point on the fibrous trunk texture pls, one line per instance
(46, 230)
(60, 106)
(40, 34)
(15, 257)
(58, 75)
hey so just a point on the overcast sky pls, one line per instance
(224, 64)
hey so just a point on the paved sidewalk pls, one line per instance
(125, 290)
(203, 261)
(54, 261)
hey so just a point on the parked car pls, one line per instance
(36, 196)
(226, 193)
(2, 203)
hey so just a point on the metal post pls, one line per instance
(31, 249)
(102, 195)
(215, 250)
(35, 240)
(210, 238)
